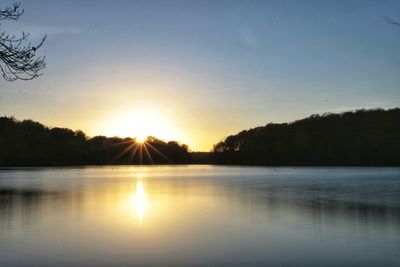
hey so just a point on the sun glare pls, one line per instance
(140, 138)
(140, 124)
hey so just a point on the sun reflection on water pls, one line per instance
(139, 201)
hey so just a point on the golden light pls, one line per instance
(140, 138)
(139, 201)
(141, 123)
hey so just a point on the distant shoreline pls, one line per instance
(197, 164)
(363, 138)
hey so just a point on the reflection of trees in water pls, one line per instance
(327, 205)
(24, 205)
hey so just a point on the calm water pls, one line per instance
(200, 216)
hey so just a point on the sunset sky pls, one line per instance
(199, 71)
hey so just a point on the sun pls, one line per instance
(143, 124)
(140, 138)
(140, 124)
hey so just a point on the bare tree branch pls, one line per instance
(11, 13)
(18, 60)
(392, 21)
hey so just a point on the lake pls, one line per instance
(199, 216)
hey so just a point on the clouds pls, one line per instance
(53, 30)
(38, 31)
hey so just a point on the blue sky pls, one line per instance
(204, 69)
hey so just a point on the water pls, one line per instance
(199, 216)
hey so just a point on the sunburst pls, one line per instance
(140, 148)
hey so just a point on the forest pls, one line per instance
(357, 138)
(29, 143)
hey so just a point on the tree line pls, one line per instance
(358, 138)
(362, 137)
(29, 143)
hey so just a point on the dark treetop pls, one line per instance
(29, 143)
(363, 137)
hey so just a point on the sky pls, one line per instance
(198, 71)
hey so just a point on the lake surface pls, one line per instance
(199, 216)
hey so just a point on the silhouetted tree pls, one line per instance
(18, 58)
(29, 143)
(364, 137)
